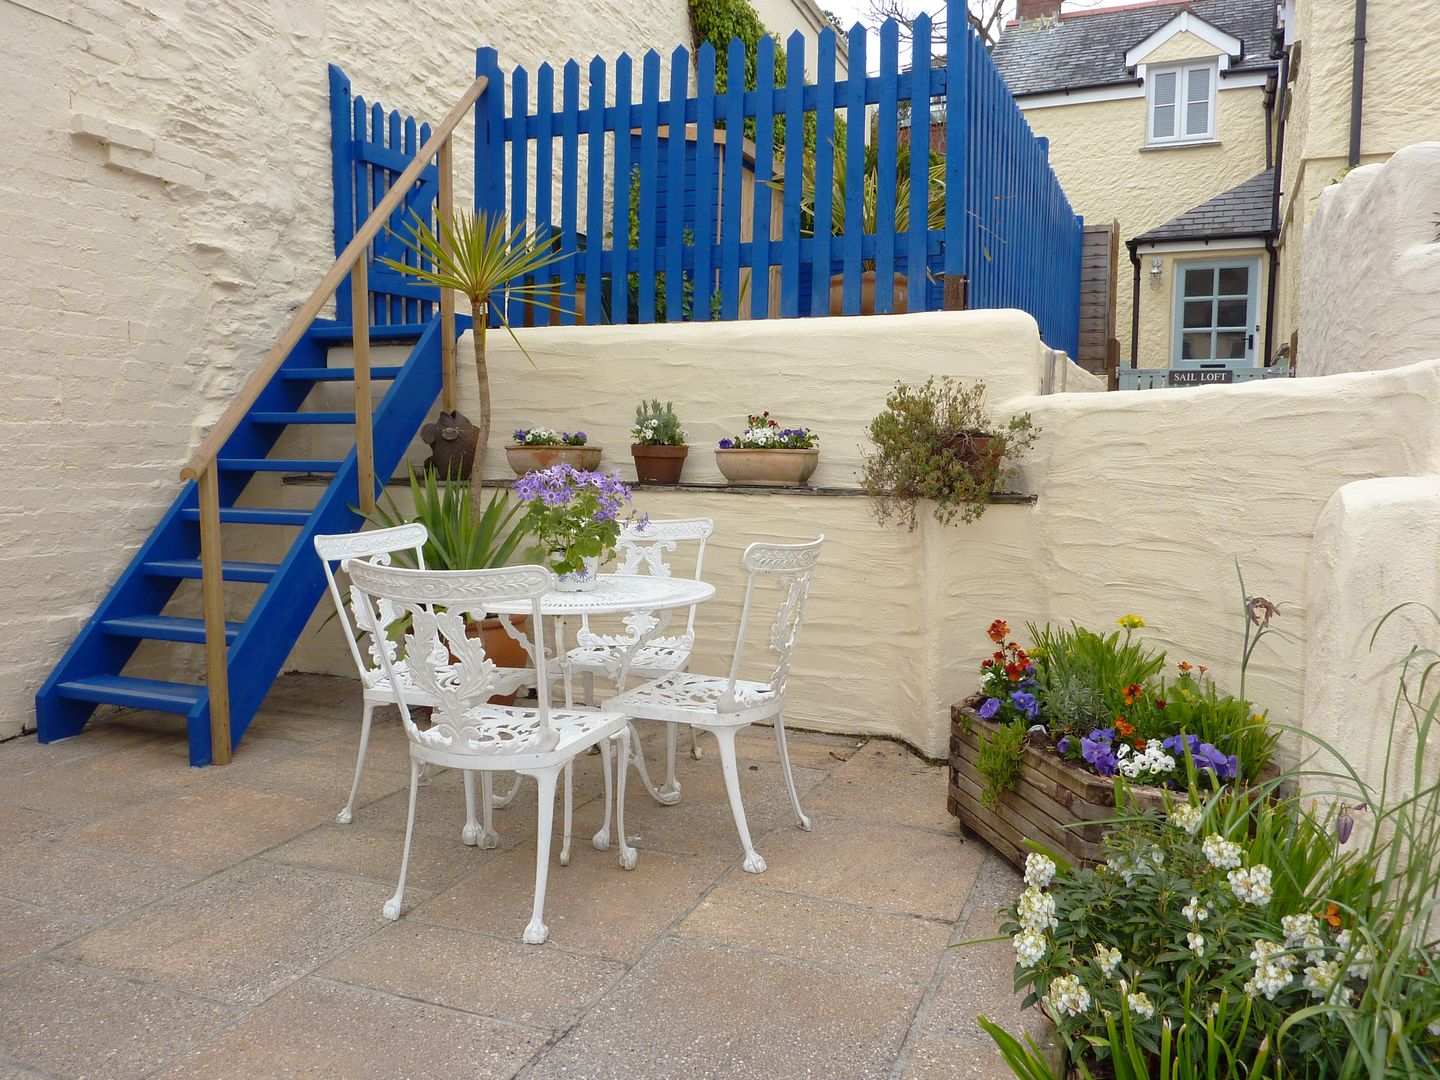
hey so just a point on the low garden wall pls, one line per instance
(1142, 502)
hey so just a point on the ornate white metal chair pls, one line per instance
(467, 732)
(381, 546)
(724, 705)
(644, 550)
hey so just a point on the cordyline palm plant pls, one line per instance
(477, 255)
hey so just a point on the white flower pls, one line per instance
(1297, 928)
(1272, 969)
(1196, 941)
(1433, 1028)
(1039, 870)
(1362, 964)
(1107, 958)
(1252, 885)
(1195, 911)
(1187, 817)
(1323, 981)
(1067, 996)
(1030, 946)
(1222, 853)
(1140, 1004)
(1036, 910)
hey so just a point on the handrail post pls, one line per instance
(364, 407)
(212, 592)
(446, 214)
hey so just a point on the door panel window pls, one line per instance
(1216, 305)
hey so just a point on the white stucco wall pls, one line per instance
(1143, 501)
(1370, 272)
(166, 204)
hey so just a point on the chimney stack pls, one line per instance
(1037, 9)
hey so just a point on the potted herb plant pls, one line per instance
(540, 447)
(768, 455)
(939, 442)
(462, 540)
(659, 448)
(575, 518)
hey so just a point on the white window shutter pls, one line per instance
(1198, 96)
(1163, 103)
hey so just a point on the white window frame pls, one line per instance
(1182, 102)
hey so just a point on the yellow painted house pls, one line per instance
(1207, 129)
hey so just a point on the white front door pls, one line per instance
(1216, 321)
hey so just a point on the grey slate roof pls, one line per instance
(1088, 48)
(1243, 211)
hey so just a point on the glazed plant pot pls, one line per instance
(768, 468)
(527, 459)
(658, 464)
(582, 580)
(900, 302)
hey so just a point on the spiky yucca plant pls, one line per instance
(477, 255)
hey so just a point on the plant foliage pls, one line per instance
(459, 539)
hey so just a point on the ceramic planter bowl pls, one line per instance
(526, 459)
(768, 468)
(658, 464)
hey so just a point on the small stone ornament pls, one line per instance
(451, 438)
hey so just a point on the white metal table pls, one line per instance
(646, 604)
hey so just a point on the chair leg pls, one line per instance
(391, 910)
(725, 738)
(695, 744)
(569, 813)
(601, 839)
(671, 787)
(489, 838)
(536, 931)
(800, 818)
(347, 815)
(628, 855)
(588, 680)
(502, 801)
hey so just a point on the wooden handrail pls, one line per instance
(260, 377)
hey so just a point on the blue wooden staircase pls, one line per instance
(92, 670)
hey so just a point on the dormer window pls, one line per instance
(1181, 103)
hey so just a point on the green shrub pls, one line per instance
(998, 760)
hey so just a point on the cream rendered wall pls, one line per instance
(160, 247)
(1371, 267)
(783, 17)
(1157, 298)
(1143, 501)
(1098, 152)
(1183, 46)
(1402, 82)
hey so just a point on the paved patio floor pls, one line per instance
(162, 921)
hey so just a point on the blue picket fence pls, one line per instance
(661, 211)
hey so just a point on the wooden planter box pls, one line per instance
(1050, 795)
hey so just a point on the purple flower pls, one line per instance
(1026, 703)
(990, 708)
(1098, 753)
(641, 523)
(1101, 735)
(580, 438)
(519, 435)
(1063, 746)
(726, 444)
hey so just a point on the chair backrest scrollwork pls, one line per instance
(790, 568)
(645, 548)
(379, 546)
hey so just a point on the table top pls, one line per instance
(618, 593)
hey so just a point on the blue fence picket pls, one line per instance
(649, 158)
(764, 173)
(705, 181)
(620, 194)
(886, 171)
(917, 236)
(519, 180)
(545, 173)
(733, 104)
(794, 176)
(822, 249)
(569, 185)
(852, 241)
(594, 189)
(677, 146)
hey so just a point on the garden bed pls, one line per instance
(1053, 803)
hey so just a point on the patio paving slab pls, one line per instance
(183, 923)
(321, 1031)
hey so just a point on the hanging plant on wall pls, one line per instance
(938, 442)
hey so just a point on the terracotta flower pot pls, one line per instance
(526, 459)
(768, 468)
(658, 464)
(978, 452)
(900, 301)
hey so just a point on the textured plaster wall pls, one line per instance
(1157, 299)
(1371, 267)
(1098, 152)
(1184, 46)
(1400, 77)
(165, 204)
(1143, 500)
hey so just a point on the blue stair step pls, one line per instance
(303, 417)
(333, 374)
(236, 515)
(301, 465)
(336, 333)
(164, 628)
(257, 572)
(135, 693)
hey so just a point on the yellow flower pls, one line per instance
(1130, 622)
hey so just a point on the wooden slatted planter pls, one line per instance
(1054, 803)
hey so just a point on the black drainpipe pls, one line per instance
(1134, 308)
(1278, 104)
(1357, 83)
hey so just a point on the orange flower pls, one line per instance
(1159, 703)
(1140, 743)
(1203, 669)
(998, 629)
(1133, 693)
(1123, 727)
(1332, 916)
(1184, 667)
